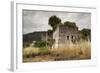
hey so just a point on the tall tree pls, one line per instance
(54, 21)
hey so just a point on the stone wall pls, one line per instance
(64, 35)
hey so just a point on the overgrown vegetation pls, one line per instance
(40, 44)
(26, 44)
(79, 51)
(70, 24)
(54, 21)
(43, 51)
(86, 34)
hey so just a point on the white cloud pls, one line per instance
(38, 20)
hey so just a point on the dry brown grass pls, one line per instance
(78, 51)
(29, 51)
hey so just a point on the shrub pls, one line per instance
(26, 45)
(40, 44)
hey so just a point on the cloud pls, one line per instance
(38, 20)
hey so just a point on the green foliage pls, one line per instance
(50, 42)
(40, 44)
(86, 32)
(70, 24)
(54, 21)
(26, 44)
(43, 50)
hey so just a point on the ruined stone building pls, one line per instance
(64, 35)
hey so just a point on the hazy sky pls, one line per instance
(38, 20)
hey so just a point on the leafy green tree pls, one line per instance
(70, 24)
(86, 33)
(54, 21)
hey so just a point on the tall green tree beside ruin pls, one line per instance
(54, 21)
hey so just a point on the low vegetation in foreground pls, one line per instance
(78, 51)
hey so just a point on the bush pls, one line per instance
(40, 44)
(26, 45)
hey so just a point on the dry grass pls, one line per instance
(27, 52)
(81, 50)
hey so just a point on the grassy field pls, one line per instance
(78, 51)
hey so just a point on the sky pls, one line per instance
(38, 20)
